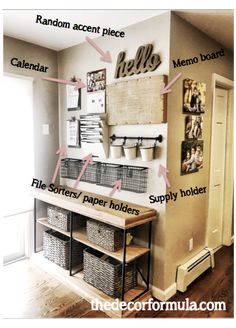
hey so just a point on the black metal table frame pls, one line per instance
(71, 273)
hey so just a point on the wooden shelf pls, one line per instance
(84, 289)
(44, 221)
(132, 251)
(116, 218)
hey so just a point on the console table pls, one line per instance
(109, 216)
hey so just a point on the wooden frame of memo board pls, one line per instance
(137, 101)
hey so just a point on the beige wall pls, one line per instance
(45, 100)
(79, 60)
(187, 217)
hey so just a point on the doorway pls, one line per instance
(18, 150)
(219, 228)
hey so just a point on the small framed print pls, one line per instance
(96, 80)
(193, 127)
(191, 156)
(194, 97)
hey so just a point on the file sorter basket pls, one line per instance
(60, 218)
(91, 173)
(104, 273)
(64, 168)
(134, 178)
(109, 173)
(73, 168)
(104, 235)
(56, 247)
(70, 168)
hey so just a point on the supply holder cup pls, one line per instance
(147, 152)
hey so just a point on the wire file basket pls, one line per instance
(64, 168)
(109, 173)
(70, 168)
(91, 173)
(73, 168)
(134, 178)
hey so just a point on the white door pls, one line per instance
(18, 164)
(217, 169)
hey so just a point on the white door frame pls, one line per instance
(227, 238)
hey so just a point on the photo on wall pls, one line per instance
(193, 127)
(96, 80)
(194, 96)
(192, 156)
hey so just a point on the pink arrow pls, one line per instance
(162, 172)
(117, 186)
(166, 89)
(89, 160)
(78, 84)
(62, 154)
(106, 56)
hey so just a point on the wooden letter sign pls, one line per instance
(145, 61)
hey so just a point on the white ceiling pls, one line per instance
(20, 24)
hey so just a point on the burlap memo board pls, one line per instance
(136, 101)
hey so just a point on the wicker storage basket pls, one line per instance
(56, 248)
(60, 218)
(104, 235)
(104, 273)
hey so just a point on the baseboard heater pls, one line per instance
(189, 271)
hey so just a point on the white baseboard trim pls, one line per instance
(216, 249)
(164, 295)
